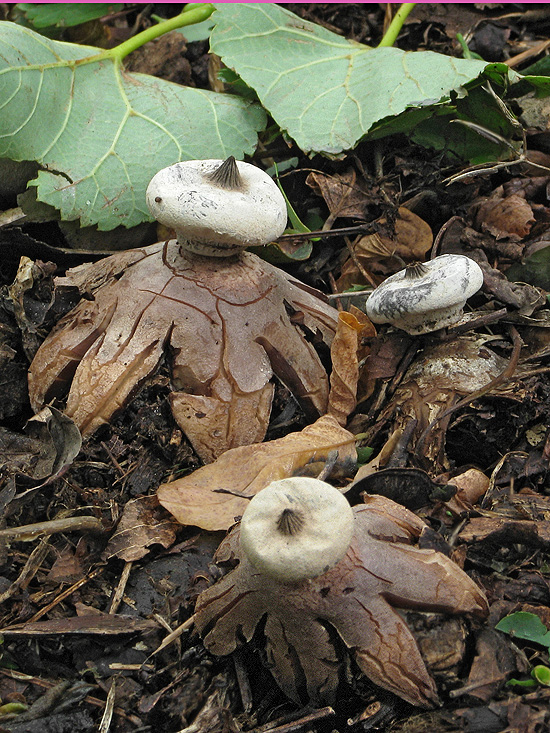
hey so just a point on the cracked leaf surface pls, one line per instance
(382, 571)
(224, 323)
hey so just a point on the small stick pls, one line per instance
(121, 587)
(65, 594)
(29, 532)
(107, 716)
(293, 724)
(174, 635)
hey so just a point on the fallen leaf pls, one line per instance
(385, 253)
(470, 487)
(410, 487)
(520, 295)
(505, 216)
(60, 438)
(507, 531)
(51, 444)
(343, 194)
(352, 327)
(67, 567)
(197, 500)
(140, 526)
(496, 658)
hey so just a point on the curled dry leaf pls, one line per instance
(51, 443)
(344, 195)
(140, 527)
(224, 323)
(357, 598)
(471, 486)
(382, 254)
(196, 499)
(505, 217)
(351, 329)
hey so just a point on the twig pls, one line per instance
(293, 724)
(368, 277)
(174, 635)
(29, 532)
(29, 570)
(121, 587)
(47, 684)
(65, 594)
(109, 709)
(325, 234)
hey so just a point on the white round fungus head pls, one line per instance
(296, 528)
(216, 207)
(426, 296)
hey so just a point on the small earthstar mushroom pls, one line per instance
(325, 576)
(426, 296)
(221, 318)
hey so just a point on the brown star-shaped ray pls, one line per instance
(227, 324)
(358, 598)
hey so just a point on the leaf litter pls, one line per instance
(478, 478)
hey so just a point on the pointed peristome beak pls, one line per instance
(227, 175)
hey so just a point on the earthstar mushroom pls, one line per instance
(426, 296)
(220, 316)
(357, 597)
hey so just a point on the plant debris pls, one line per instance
(100, 570)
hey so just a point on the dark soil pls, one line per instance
(84, 611)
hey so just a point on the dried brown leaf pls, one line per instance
(505, 216)
(471, 486)
(501, 529)
(141, 525)
(51, 444)
(196, 499)
(68, 566)
(343, 194)
(383, 254)
(352, 327)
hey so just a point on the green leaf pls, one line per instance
(364, 454)
(43, 15)
(445, 133)
(197, 32)
(524, 625)
(100, 133)
(534, 270)
(541, 674)
(325, 91)
(513, 682)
